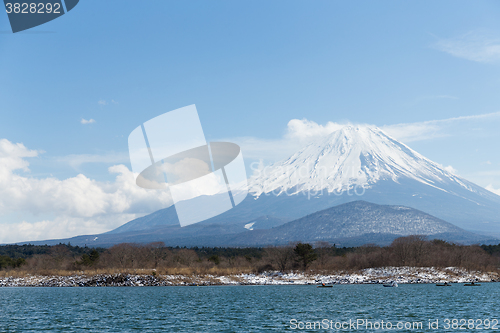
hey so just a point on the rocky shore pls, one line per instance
(367, 276)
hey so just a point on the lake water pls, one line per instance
(249, 308)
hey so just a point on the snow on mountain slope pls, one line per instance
(355, 223)
(354, 156)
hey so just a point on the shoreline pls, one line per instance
(402, 275)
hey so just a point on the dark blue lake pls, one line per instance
(251, 309)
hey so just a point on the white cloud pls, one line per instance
(492, 189)
(85, 121)
(298, 133)
(451, 170)
(11, 157)
(74, 198)
(61, 227)
(475, 46)
(306, 130)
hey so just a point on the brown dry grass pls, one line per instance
(182, 271)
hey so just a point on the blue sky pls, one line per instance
(427, 71)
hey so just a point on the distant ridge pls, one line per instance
(358, 223)
(351, 224)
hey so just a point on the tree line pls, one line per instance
(156, 258)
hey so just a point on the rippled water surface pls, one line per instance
(246, 308)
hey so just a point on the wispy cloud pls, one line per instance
(431, 129)
(435, 97)
(103, 102)
(76, 160)
(269, 150)
(444, 97)
(475, 46)
(86, 122)
(488, 173)
(299, 132)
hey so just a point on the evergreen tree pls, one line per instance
(305, 254)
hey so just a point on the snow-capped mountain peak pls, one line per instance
(355, 155)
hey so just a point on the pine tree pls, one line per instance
(305, 254)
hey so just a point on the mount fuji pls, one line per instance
(351, 164)
(354, 156)
(363, 161)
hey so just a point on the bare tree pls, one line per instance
(157, 252)
(280, 257)
(409, 250)
(323, 250)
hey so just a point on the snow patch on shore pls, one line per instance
(367, 276)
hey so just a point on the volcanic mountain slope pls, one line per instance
(353, 163)
(378, 168)
(358, 223)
